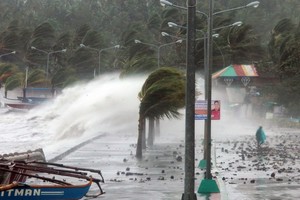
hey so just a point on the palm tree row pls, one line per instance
(284, 49)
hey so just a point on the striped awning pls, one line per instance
(236, 71)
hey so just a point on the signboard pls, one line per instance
(201, 110)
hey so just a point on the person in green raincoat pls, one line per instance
(260, 136)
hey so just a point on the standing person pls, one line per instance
(260, 136)
(215, 112)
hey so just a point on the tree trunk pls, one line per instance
(139, 150)
(151, 134)
(144, 134)
(157, 126)
(24, 94)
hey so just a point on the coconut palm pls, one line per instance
(285, 50)
(244, 46)
(63, 77)
(279, 33)
(14, 81)
(12, 77)
(161, 96)
(6, 71)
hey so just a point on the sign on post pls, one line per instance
(201, 110)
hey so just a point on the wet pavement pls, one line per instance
(241, 172)
(160, 175)
(270, 172)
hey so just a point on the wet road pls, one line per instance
(160, 175)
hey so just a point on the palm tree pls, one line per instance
(244, 45)
(6, 71)
(63, 77)
(139, 64)
(14, 81)
(161, 96)
(12, 77)
(284, 49)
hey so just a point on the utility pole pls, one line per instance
(189, 181)
(208, 78)
(208, 185)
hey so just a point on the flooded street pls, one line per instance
(269, 173)
(94, 125)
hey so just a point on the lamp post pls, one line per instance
(48, 56)
(216, 35)
(189, 161)
(253, 4)
(208, 85)
(179, 38)
(172, 24)
(158, 48)
(167, 34)
(205, 34)
(99, 53)
(208, 185)
(6, 54)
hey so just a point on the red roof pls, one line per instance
(236, 71)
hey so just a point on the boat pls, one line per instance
(19, 104)
(36, 154)
(45, 180)
(21, 191)
(31, 98)
(30, 155)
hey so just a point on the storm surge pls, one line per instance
(104, 104)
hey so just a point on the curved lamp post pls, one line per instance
(6, 54)
(158, 47)
(253, 4)
(165, 34)
(99, 53)
(189, 160)
(172, 24)
(216, 35)
(48, 56)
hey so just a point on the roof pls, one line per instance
(236, 71)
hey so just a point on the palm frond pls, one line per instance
(163, 93)
(14, 81)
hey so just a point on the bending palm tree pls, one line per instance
(161, 96)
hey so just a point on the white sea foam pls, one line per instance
(106, 104)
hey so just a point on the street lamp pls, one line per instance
(253, 4)
(208, 86)
(167, 34)
(172, 24)
(216, 35)
(189, 169)
(99, 53)
(208, 177)
(239, 23)
(48, 56)
(164, 34)
(158, 47)
(6, 54)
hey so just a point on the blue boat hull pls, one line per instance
(37, 192)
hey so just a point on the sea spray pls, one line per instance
(106, 104)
